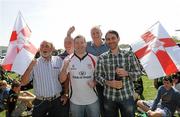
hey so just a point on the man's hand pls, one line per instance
(64, 99)
(64, 73)
(92, 83)
(66, 63)
(150, 113)
(70, 31)
(115, 84)
(121, 72)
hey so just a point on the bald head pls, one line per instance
(69, 45)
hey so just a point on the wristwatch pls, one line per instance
(66, 94)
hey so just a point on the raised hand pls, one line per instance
(70, 31)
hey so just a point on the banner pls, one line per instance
(20, 50)
(157, 52)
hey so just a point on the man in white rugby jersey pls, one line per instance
(80, 66)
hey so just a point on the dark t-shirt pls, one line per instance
(11, 102)
(64, 55)
(169, 99)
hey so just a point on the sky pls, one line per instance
(50, 19)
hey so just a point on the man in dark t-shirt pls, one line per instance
(168, 98)
(12, 98)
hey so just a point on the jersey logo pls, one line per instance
(82, 73)
(73, 67)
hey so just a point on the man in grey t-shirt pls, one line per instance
(169, 97)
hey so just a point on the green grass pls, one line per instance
(2, 114)
(150, 91)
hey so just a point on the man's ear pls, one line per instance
(53, 48)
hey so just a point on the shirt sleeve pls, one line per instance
(32, 73)
(157, 99)
(178, 97)
(5, 98)
(31, 76)
(135, 68)
(99, 74)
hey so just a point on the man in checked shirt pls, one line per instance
(116, 70)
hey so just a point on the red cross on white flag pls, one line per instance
(20, 50)
(157, 52)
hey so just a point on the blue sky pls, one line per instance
(50, 19)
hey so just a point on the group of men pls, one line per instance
(90, 79)
(89, 72)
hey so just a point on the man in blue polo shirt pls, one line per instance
(96, 47)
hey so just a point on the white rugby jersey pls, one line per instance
(81, 72)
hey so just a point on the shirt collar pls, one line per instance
(82, 57)
(92, 44)
(44, 60)
(119, 50)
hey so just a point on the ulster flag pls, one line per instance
(157, 52)
(20, 50)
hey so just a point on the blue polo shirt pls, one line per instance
(96, 51)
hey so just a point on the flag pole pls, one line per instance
(158, 22)
(20, 14)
